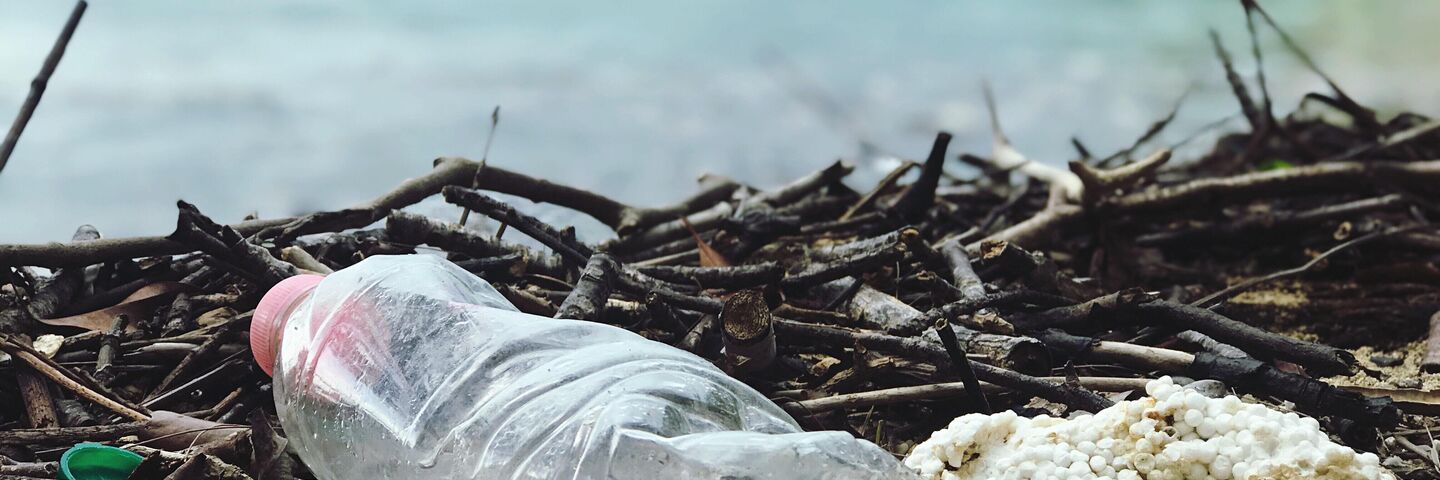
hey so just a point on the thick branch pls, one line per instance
(587, 300)
(747, 331)
(732, 277)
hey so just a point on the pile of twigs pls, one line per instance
(885, 311)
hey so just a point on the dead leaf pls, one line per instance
(173, 431)
(269, 462)
(137, 306)
(216, 317)
(709, 257)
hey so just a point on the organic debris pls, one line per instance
(1275, 267)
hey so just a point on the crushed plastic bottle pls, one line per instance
(409, 367)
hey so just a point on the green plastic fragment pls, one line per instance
(93, 461)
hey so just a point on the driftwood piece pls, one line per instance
(49, 297)
(734, 277)
(1308, 394)
(915, 203)
(302, 259)
(931, 350)
(748, 334)
(68, 435)
(446, 171)
(587, 300)
(856, 263)
(970, 285)
(109, 249)
(785, 195)
(885, 183)
(509, 265)
(80, 385)
(937, 391)
(618, 216)
(229, 247)
(1132, 308)
(109, 346)
(1245, 226)
(961, 363)
(416, 229)
(1431, 363)
(568, 248)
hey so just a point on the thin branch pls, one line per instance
(37, 86)
(1220, 296)
(484, 157)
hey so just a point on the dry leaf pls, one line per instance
(173, 431)
(268, 458)
(137, 306)
(216, 317)
(709, 257)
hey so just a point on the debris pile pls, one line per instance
(884, 310)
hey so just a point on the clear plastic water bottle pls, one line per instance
(408, 367)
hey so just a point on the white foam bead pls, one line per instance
(1098, 464)
(1158, 439)
(1225, 423)
(1240, 471)
(1195, 401)
(1193, 417)
(1153, 388)
(1221, 468)
(1143, 462)
(1206, 429)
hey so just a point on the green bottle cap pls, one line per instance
(93, 461)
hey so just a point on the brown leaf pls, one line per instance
(138, 305)
(709, 257)
(269, 460)
(173, 431)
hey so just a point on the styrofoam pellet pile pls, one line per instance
(1173, 433)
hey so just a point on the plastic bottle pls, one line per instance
(409, 367)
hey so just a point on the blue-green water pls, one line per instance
(278, 108)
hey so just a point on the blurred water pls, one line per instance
(277, 107)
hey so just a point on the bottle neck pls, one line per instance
(277, 329)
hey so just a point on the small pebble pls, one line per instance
(1209, 388)
(1384, 360)
(1411, 382)
(48, 345)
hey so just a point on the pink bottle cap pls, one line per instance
(268, 314)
